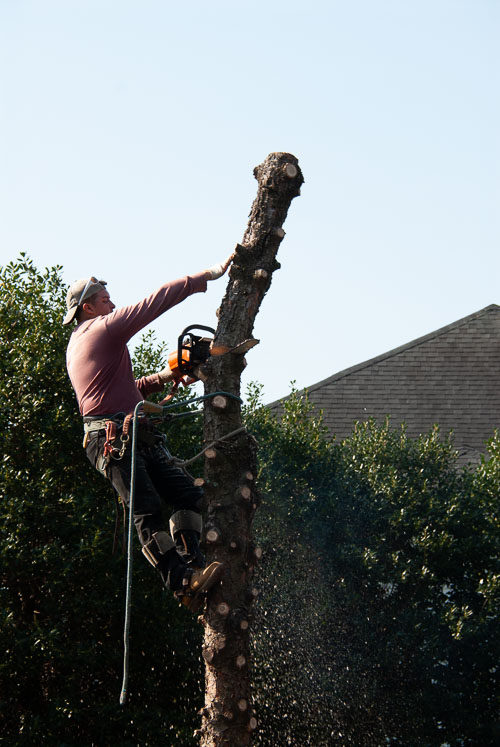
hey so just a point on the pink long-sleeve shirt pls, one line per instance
(97, 356)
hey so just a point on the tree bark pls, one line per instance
(231, 465)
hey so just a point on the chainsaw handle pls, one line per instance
(181, 347)
(197, 326)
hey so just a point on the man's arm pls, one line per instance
(150, 384)
(124, 323)
(157, 382)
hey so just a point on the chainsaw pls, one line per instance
(193, 351)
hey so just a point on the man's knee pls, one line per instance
(186, 520)
(188, 497)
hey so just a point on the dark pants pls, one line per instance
(156, 483)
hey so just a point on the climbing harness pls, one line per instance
(141, 409)
(110, 451)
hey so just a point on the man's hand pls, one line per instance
(166, 375)
(217, 271)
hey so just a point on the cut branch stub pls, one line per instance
(219, 402)
(242, 705)
(260, 274)
(240, 661)
(213, 535)
(223, 609)
(244, 492)
(290, 170)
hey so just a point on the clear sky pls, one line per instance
(129, 132)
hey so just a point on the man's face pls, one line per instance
(102, 305)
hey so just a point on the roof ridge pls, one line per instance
(395, 351)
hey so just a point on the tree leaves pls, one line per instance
(410, 597)
(61, 590)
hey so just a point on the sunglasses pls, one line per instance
(91, 281)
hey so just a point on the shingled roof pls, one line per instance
(450, 377)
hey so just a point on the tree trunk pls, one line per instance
(231, 465)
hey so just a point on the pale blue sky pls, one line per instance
(129, 132)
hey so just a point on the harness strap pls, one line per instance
(110, 437)
(126, 423)
(95, 425)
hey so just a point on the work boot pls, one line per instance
(187, 544)
(197, 583)
(172, 569)
(161, 552)
(186, 527)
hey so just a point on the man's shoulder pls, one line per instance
(86, 329)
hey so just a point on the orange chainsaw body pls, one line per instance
(177, 366)
(194, 350)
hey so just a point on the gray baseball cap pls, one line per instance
(78, 293)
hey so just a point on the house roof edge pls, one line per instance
(395, 351)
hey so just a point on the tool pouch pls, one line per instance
(101, 464)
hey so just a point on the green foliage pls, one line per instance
(61, 590)
(403, 553)
(297, 459)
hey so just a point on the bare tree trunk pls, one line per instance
(231, 466)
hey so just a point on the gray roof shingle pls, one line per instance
(449, 377)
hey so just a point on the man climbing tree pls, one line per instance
(100, 370)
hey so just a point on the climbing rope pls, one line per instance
(128, 596)
(184, 463)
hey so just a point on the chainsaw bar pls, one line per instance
(240, 349)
